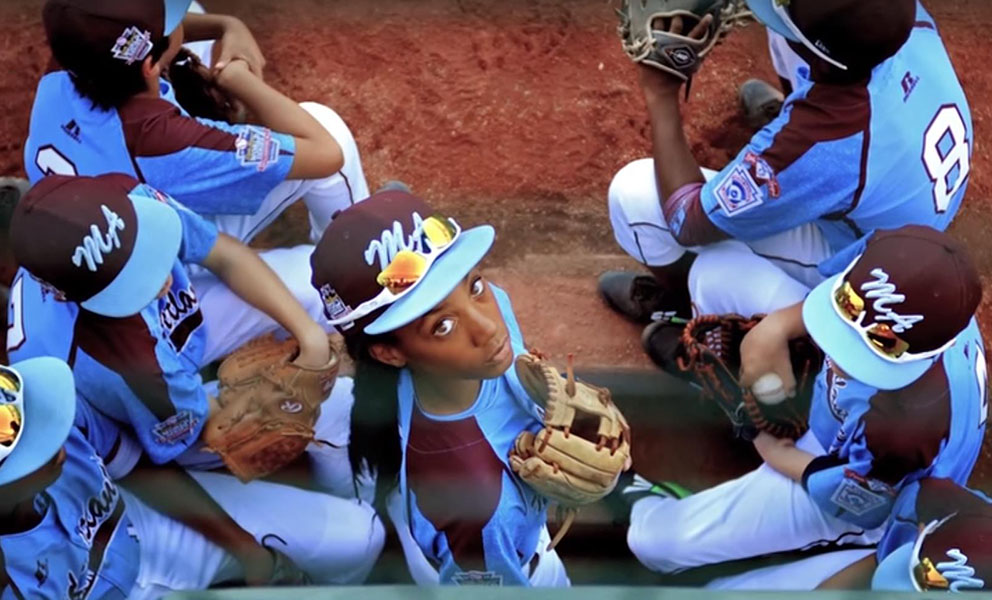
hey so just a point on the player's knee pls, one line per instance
(631, 188)
(335, 125)
(654, 548)
(349, 547)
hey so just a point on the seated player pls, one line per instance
(878, 134)
(117, 253)
(107, 108)
(69, 531)
(901, 398)
(437, 406)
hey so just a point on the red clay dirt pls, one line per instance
(516, 113)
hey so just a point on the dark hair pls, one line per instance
(375, 435)
(108, 84)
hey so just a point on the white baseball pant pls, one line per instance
(763, 512)
(780, 270)
(549, 572)
(333, 540)
(805, 574)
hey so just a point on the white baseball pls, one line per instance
(769, 389)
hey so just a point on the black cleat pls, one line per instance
(638, 297)
(760, 101)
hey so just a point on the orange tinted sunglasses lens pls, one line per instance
(405, 270)
(849, 302)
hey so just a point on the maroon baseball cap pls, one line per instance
(363, 241)
(108, 242)
(86, 35)
(887, 318)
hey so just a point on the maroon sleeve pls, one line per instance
(940, 497)
(904, 429)
(457, 479)
(687, 220)
(155, 127)
(127, 347)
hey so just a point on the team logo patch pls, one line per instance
(738, 192)
(133, 45)
(256, 147)
(763, 173)
(858, 495)
(477, 578)
(175, 428)
(334, 306)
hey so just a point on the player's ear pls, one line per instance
(150, 68)
(388, 354)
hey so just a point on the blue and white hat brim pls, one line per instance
(156, 246)
(895, 573)
(441, 279)
(49, 411)
(764, 11)
(849, 350)
(175, 11)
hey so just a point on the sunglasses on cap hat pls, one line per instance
(954, 575)
(430, 238)
(11, 410)
(881, 338)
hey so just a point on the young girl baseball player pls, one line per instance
(434, 342)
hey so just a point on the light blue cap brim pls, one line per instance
(764, 11)
(49, 411)
(441, 279)
(156, 246)
(894, 574)
(175, 11)
(848, 350)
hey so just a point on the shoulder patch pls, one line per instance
(175, 428)
(256, 147)
(859, 496)
(739, 192)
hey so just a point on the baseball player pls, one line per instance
(434, 341)
(138, 340)
(902, 397)
(70, 531)
(878, 134)
(106, 109)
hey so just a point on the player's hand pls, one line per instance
(258, 565)
(237, 42)
(315, 352)
(765, 349)
(657, 83)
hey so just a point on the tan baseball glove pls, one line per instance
(576, 458)
(267, 407)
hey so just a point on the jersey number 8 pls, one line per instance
(947, 155)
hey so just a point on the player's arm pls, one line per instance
(256, 283)
(853, 577)
(317, 153)
(782, 455)
(171, 491)
(765, 349)
(234, 40)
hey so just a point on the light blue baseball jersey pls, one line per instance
(472, 517)
(83, 546)
(41, 321)
(142, 371)
(879, 442)
(209, 166)
(891, 152)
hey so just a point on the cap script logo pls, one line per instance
(96, 244)
(392, 241)
(884, 294)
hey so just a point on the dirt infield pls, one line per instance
(516, 113)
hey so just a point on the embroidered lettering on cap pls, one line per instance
(96, 244)
(958, 573)
(884, 294)
(392, 241)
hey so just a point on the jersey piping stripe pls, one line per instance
(791, 261)
(101, 542)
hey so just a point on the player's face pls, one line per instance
(464, 336)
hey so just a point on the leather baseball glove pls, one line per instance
(677, 55)
(576, 458)
(267, 407)
(198, 94)
(710, 353)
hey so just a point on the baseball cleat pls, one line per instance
(635, 296)
(394, 185)
(760, 101)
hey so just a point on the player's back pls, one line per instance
(41, 324)
(69, 136)
(916, 159)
